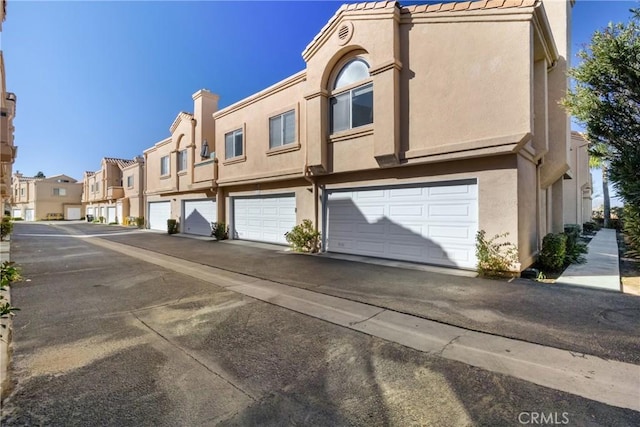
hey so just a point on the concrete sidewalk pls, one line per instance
(601, 268)
(610, 382)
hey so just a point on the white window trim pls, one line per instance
(182, 162)
(239, 157)
(282, 142)
(168, 166)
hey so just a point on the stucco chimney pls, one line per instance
(205, 104)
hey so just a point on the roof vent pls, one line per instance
(344, 33)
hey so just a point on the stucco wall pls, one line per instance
(258, 160)
(463, 83)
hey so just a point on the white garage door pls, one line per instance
(433, 224)
(264, 219)
(17, 213)
(159, 213)
(29, 215)
(111, 214)
(90, 211)
(198, 216)
(72, 213)
(119, 213)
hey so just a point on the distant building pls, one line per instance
(8, 151)
(578, 186)
(114, 193)
(56, 197)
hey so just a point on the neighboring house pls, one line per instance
(113, 193)
(8, 151)
(578, 190)
(56, 197)
(410, 129)
(180, 177)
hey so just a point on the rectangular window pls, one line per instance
(282, 129)
(97, 187)
(352, 109)
(130, 181)
(182, 160)
(22, 191)
(59, 191)
(233, 144)
(164, 166)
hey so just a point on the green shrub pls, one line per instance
(590, 227)
(140, 222)
(303, 237)
(101, 219)
(17, 218)
(9, 273)
(553, 253)
(6, 227)
(631, 229)
(495, 259)
(575, 249)
(219, 230)
(172, 226)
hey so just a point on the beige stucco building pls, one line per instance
(52, 198)
(114, 193)
(410, 129)
(8, 151)
(578, 188)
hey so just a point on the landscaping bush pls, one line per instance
(172, 226)
(631, 229)
(6, 226)
(303, 237)
(553, 253)
(590, 227)
(219, 230)
(495, 259)
(140, 222)
(9, 273)
(575, 249)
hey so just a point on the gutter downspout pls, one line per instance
(193, 149)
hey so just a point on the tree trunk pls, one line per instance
(605, 195)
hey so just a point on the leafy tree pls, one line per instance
(39, 175)
(606, 99)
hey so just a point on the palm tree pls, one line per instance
(598, 153)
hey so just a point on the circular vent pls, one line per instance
(345, 31)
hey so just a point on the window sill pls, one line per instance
(235, 160)
(283, 149)
(204, 162)
(351, 133)
(182, 173)
(165, 176)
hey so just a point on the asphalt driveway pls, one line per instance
(107, 339)
(601, 323)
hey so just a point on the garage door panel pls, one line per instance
(432, 224)
(264, 218)
(410, 251)
(403, 193)
(159, 213)
(198, 216)
(403, 211)
(461, 210)
(371, 246)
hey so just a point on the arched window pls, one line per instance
(351, 106)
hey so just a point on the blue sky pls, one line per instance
(96, 79)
